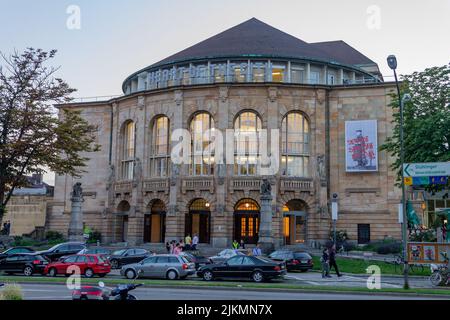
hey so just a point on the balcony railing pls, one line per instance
(198, 184)
(245, 184)
(296, 185)
(156, 185)
(123, 187)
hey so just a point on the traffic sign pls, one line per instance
(429, 169)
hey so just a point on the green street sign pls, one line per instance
(427, 169)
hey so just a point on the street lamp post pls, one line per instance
(392, 62)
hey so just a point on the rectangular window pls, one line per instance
(314, 77)
(363, 233)
(239, 75)
(297, 75)
(259, 74)
(278, 73)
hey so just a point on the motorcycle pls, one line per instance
(100, 292)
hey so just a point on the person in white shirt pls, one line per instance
(194, 242)
(257, 251)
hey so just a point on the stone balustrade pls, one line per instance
(245, 184)
(198, 184)
(156, 185)
(123, 187)
(296, 185)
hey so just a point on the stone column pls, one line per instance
(265, 229)
(76, 215)
(175, 217)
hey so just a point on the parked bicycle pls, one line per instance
(440, 273)
(399, 262)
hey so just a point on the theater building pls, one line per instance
(248, 78)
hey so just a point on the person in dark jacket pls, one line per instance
(332, 257)
(325, 260)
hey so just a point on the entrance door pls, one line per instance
(154, 228)
(247, 227)
(198, 220)
(124, 228)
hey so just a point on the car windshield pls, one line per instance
(119, 252)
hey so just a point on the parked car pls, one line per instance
(62, 249)
(26, 263)
(199, 261)
(226, 254)
(255, 268)
(14, 250)
(89, 264)
(96, 250)
(294, 260)
(127, 256)
(168, 266)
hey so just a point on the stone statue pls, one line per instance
(77, 190)
(137, 169)
(321, 167)
(266, 188)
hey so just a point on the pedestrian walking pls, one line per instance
(168, 247)
(177, 250)
(325, 261)
(257, 251)
(235, 245)
(195, 242)
(187, 242)
(182, 245)
(242, 244)
(8, 227)
(332, 259)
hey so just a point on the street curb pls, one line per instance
(285, 290)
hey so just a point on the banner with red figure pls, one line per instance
(361, 146)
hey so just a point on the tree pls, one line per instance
(426, 119)
(32, 136)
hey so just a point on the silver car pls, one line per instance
(167, 266)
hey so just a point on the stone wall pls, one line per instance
(363, 198)
(26, 213)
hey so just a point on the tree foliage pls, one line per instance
(32, 136)
(426, 118)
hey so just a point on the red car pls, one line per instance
(89, 265)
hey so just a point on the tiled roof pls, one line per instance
(254, 38)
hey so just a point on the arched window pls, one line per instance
(246, 147)
(159, 152)
(295, 145)
(202, 126)
(128, 151)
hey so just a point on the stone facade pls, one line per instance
(112, 204)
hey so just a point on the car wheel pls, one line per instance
(208, 275)
(257, 276)
(89, 273)
(28, 271)
(130, 274)
(114, 264)
(436, 279)
(52, 272)
(172, 275)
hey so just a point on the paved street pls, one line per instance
(315, 278)
(60, 292)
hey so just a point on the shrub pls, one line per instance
(54, 235)
(389, 248)
(95, 236)
(11, 292)
(23, 242)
